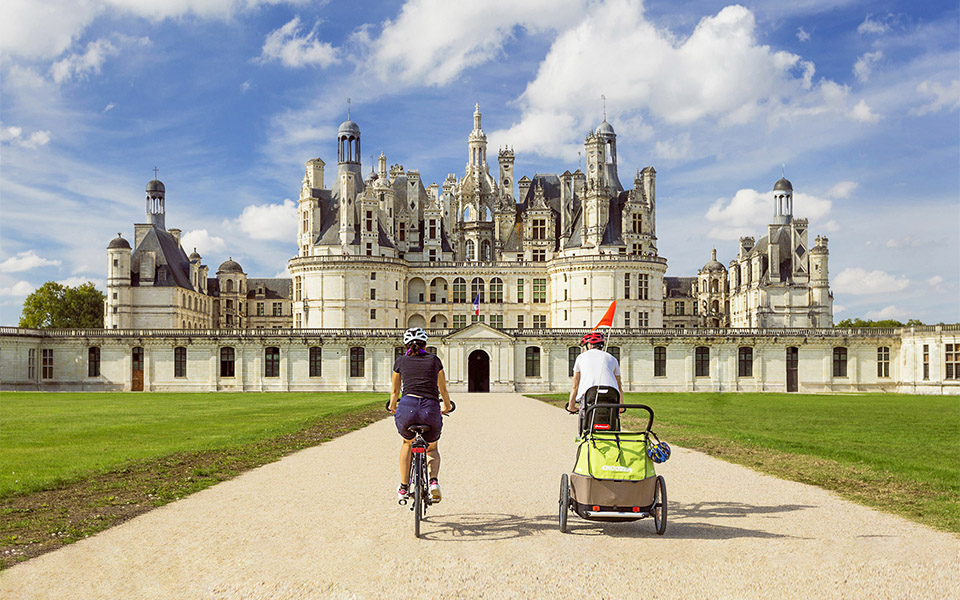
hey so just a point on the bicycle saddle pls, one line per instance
(421, 429)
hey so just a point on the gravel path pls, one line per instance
(324, 523)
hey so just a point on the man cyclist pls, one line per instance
(419, 375)
(596, 379)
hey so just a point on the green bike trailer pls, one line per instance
(613, 478)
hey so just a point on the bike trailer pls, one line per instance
(613, 473)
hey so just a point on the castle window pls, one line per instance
(626, 319)
(298, 320)
(643, 319)
(520, 290)
(271, 362)
(260, 311)
(373, 313)
(460, 290)
(298, 288)
(433, 229)
(539, 229)
(227, 362)
(496, 321)
(951, 361)
(47, 366)
(32, 363)
(485, 251)
(306, 222)
(476, 288)
(373, 293)
(883, 361)
(433, 255)
(459, 321)
(745, 362)
(369, 220)
(626, 286)
(116, 262)
(636, 248)
(373, 276)
(539, 321)
(643, 283)
(471, 250)
(93, 361)
(660, 361)
(496, 290)
(539, 291)
(701, 362)
(179, 361)
(840, 362)
(637, 223)
(678, 308)
(539, 256)
(519, 321)
(316, 354)
(532, 361)
(926, 362)
(356, 362)
(403, 232)
(229, 285)
(277, 309)
(369, 249)
(572, 353)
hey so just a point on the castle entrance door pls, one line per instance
(793, 361)
(137, 385)
(478, 372)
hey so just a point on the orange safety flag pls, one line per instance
(607, 320)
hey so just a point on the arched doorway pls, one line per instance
(478, 372)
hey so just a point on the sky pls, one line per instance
(857, 103)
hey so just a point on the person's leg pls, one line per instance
(433, 460)
(405, 456)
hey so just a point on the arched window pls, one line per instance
(745, 362)
(701, 363)
(496, 290)
(485, 251)
(466, 213)
(471, 250)
(572, 353)
(356, 362)
(532, 361)
(227, 362)
(316, 355)
(476, 289)
(229, 285)
(271, 362)
(460, 290)
(93, 361)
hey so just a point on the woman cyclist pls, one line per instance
(419, 375)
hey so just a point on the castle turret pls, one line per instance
(118, 297)
(155, 203)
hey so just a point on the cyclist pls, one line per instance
(419, 375)
(594, 372)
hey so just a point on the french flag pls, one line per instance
(476, 306)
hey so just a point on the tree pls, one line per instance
(53, 305)
(884, 323)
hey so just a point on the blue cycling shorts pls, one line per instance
(418, 411)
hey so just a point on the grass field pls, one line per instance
(49, 438)
(75, 464)
(899, 453)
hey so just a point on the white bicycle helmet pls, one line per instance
(414, 334)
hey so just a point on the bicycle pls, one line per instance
(419, 480)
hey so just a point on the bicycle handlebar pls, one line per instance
(453, 406)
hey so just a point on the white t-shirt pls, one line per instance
(596, 367)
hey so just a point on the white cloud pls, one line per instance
(854, 280)
(750, 210)
(862, 113)
(843, 189)
(431, 42)
(838, 308)
(24, 261)
(109, 107)
(269, 221)
(674, 149)
(887, 312)
(935, 281)
(202, 241)
(907, 241)
(864, 65)
(244, 87)
(873, 26)
(14, 135)
(831, 226)
(942, 97)
(21, 289)
(81, 65)
(802, 35)
(287, 46)
(100, 284)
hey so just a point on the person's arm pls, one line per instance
(442, 386)
(394, 392)
(572, 402)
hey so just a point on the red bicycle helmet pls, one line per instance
(594, 337)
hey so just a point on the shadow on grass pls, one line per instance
(683, 522)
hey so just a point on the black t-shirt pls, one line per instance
(418, 374)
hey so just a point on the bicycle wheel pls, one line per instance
(564, 502)
(659, 508)
(417, 495)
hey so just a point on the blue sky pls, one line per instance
(228, 98)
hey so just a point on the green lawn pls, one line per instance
(49, 438)
(897, 452)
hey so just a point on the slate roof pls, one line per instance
(679, 287)
(275, 288)
(169, 256)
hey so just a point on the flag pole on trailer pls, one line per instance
(607, 321)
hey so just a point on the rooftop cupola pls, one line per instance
(156, 193)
